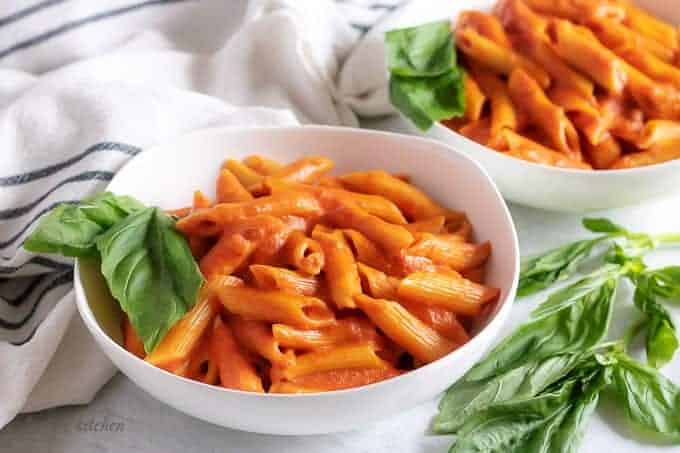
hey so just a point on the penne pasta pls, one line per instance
(273, 306)
(604, 154)
(257, 337)
(584, 114)
(341, 357)
(550, 118)
(248, 177)
(658, 132)
(485, 24)
(450, 250)
(432, 225)
(363, 249)
(410, 200)
(229, 254)
(503, 113)
(305, 170)
(376, 283)
(579, 48)
(286, 280)
(474, 98)
(387, 236)
(614, 34)
(303, 253)
(654, 155)
(498, 59)
(442, 320)
(525, 149)
(262, 165)
(185, 334)
(452, 292)
(341, 379)
(651, 27)
(347, 330)
(416, 337)
(235, 370)
(229, 188)
(208, 222)
(342, 275)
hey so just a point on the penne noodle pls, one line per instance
(229, 254)
(248, 177)
(235, 370)
(257, 337)
(450, 250)
(200, 201)
(262, 165)
(201, 366)
(410, 200)
(305, 170)
(416, 337)
(376, 283)
(131, 340)
(341, 357)
(518, 18)
(340, 268)
(498, 59)
(303, 253)
(550, 118)
(614, 34)
(444, 321)
(432, 225)
(282, 279)
(650, 65)
(342, 378)
(290, 387)
(449, 291)
(273, 306)
(175, 347)
(346, 214)
(378, 206)
(604, 154)
(229, 188)
(347, 330)
(584, 114)
(207, 222)
(485, 24)
(503, 113)
(579, 47)
(525, 149)
(578, 10)
(363, 249)
(479, 131)
(658, 132)
(654, 155)
(474, 98)
(651, 27)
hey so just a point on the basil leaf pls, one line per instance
(570, 320)
(537, 273)
(509, 426)
(468, 397)
(71, 229)
(602, 225)
(662, 340)
(651, 401)
(422, 51)
(425, 83)
(664, 283)
(150, 271)
(426, 100)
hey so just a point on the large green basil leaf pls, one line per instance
(71, 229)
(150, 271)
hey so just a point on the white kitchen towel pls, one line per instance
(85, 86)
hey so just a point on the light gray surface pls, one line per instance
(137, 422)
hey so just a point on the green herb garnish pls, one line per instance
(426, 85)
(147, 264)
(536, 389)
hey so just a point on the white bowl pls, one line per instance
(560, 189)
(167, 175)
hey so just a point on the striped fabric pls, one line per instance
(64, 138)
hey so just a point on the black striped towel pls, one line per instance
(87, 85)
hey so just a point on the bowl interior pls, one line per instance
(167, 176)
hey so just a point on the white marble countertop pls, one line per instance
(124, 419)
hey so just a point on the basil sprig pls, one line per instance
(426, 85)
(147, 264)
(535, 391)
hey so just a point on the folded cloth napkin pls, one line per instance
(85, 86)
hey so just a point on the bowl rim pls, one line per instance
(550, 168)
(444, 150)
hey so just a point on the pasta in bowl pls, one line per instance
(353, 289)
(587, 89)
